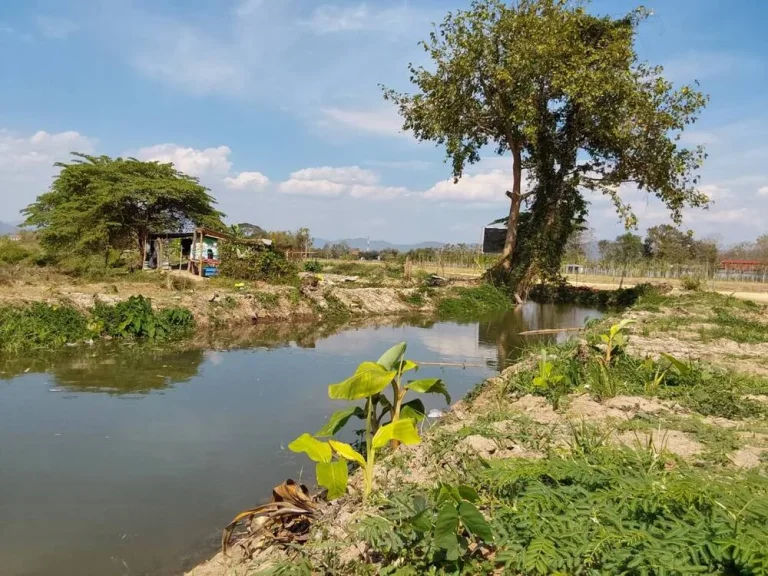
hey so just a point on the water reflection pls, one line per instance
(500, 336)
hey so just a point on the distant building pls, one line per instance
(574, 269)
(741, 265)
(13, 237)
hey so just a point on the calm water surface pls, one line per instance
(129, 460)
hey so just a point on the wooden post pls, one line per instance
(144, 253)
(202, 247)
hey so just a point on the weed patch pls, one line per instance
(469, 302)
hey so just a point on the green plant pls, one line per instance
(472, 302)
(691, 283)
(394, 361)
(243, 261)
(40, 325)
(368, 383)
(615, 339)
(135, 318)
(313, 266)
(548, 382)
(267, 299)
(456, 514)
(653, 383)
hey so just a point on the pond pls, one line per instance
(128, 460)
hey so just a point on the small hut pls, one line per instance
(198, 250)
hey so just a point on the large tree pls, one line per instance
(98, 203)
(564, 94)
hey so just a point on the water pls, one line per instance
(125, 461)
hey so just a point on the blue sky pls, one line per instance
(274, 104)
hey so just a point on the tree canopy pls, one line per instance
(564, 93)
(97, 203)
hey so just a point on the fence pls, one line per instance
(669, 271)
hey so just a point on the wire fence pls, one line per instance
(667, 271)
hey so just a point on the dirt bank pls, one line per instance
(218, 303)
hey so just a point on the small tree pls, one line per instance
(97, 203)
(562, 91)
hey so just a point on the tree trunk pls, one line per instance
(515, 197)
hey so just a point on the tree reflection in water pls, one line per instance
(502, 332)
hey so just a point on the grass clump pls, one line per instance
(267, 299)
(475, 301)
(563, 293)
(734, 327)
(40, 326)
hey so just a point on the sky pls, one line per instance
(276, 106)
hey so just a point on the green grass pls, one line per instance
(40, 326)
(267, 299)
(473, 302)
(734, 327)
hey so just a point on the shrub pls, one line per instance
(313, 266)
(13, 252)
(135, 318)
(476, 301)
(691, 283)
(40, 325)
(242, 262)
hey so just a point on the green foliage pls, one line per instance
(135, 318)
(39, 326)
(313, 266)
(735, 327)
(243, 261)
(562, 293)
(267, 299)
(473, 302)
(691, 283)
(623, 512)
(368, 383)
(615, 340)
(14, 252)
(548, 382)
(98, 203)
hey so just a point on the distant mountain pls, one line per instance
(6, 228)
(377, 245)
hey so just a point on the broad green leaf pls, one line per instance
(408, 365)
(363, 384)
(681, 367)
(390, 360)
(468, 493)
(605, 338)
(414, 410)
(446, 525)
(421, 522)
(403, 430)
(338, 419)
(474, 522)
(334, 477)
(314, 448)
(430, 386)
(366, 366)
(346, 451)
(448, 493)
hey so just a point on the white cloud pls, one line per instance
(344, 175)
(27, 165)
(481, 187)
(383, 122)
(185, 56)
(327, 181)
(762, 191)
(715, 192)
(332, 18)
(724, 216)
(247, 181)
(207, 163)
(54, 27)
